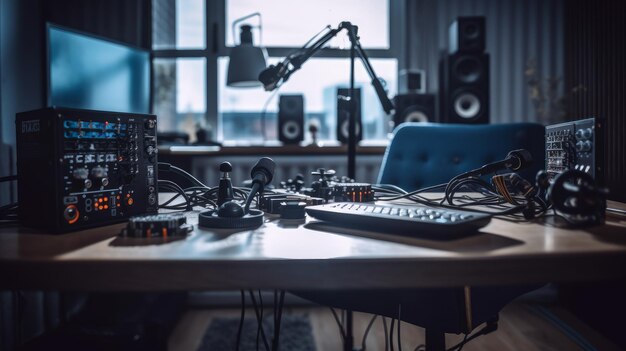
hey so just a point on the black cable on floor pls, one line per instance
(258, 318)
(399, 322)
(241, 319)
(341, 331)
(275, 343)
(367, 330)
(258, 329)
(391, 334)
(385, 329)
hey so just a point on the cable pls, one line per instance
(367, 330)
(490, 327)
(169, 185)
(391, 334)
(163, 166)
(258, 330)
(399, 322)
(259, 321)
(277, 323)
(264, 112)
(386, 333)
(341, 331)
(241, 319)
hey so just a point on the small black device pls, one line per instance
(412, 81)
(343, 114)
(576, 145)
(467, 34)
(164, 226)
(414, 221)
(292, 210)
(414, 108)
(291, 119)
(353, 192)
(81, 168)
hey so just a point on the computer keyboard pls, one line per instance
(409, 220)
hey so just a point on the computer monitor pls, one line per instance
(88, 72)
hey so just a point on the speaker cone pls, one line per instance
(468, 69)
(471, 30)
(345, 128)
(467, 105)
(291, 130)
(414, 114)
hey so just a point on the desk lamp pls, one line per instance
(246, 60)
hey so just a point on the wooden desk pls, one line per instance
(294, 255)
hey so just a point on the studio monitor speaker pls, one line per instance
(414, 108)
(291, 119)
(467, 34)
(343, 114)
(464, 88)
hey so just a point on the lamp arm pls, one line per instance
(239, 20)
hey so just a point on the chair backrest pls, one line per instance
(424, 154)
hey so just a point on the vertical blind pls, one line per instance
(596, 57)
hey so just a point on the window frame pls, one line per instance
(215, 47)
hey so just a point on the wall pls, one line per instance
(517, 30)
(20, 71)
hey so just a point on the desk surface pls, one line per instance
(313, 255)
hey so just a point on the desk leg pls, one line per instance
(348, 343)
(435, 340)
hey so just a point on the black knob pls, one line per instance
(230, 209)
(226, 167)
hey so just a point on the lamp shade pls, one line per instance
(246, 62)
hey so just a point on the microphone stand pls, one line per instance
(293, 63)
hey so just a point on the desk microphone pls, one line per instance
(514, 161)
(231, 214)
(272, 75)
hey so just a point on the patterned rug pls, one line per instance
(295, 334)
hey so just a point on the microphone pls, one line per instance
(263, 172)
(270, 76)
(515, 161)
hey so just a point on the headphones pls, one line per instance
(575, 195)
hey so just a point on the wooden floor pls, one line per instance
(521, 327)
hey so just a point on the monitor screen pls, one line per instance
(96, 74)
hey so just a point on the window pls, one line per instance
(191, 43)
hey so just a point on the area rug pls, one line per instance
(295, 334)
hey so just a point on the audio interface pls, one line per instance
(575, 145)
(79, 169)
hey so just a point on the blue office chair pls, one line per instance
(424, 154)
(421, 155)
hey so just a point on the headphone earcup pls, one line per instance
(574, 192)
